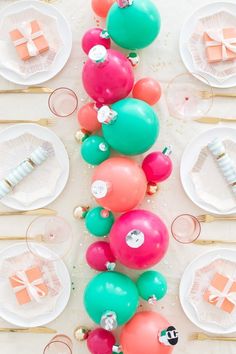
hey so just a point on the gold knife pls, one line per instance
(30, 89)
(214, 120)
(39, 330)
(36, 212)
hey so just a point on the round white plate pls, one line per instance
(186, 284)
(188, 29)
(63, 299)
(190, 157)
(62, 57)
(60, 154)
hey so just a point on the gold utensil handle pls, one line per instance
(225, 94)
(36, 212)
(225, 339)
(214, 120)
(211, 242)
(31, 89)
(12, 238)
(225, 218)
(28, 330)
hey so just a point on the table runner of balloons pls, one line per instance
(138, 239)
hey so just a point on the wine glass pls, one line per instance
(63, 102)
(185, 96)
(54, 232)
(60, 344)
(186, 228)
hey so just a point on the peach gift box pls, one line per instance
(38, 39)
(214, 53)
(22, 294)
(219, 292)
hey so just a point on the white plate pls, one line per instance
(60, 154)
(63, 299)
(186, 284)
(188, 29)
(190, 157)
(62, 57)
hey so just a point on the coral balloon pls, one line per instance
(148, 90)
(95, 150)
(100, 257)
(100, 341)
(152, 286)
(93, 37)
(111, 299)
(99, 221)
(107, 75)
(119, 184)
(87, 118)
(101, 7)
(158, 166)
(135, 128)
(135, 26)
(139, 239)
(148, 332)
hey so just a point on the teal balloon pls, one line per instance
(135, 128)
(95, 150)
(111, 291)
(97, 224)
(136, 26)
(151, 284)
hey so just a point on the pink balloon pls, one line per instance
(119, 184)
(100, 341)
(100, 257)
(144, 333)
(157, 167)
(107, 75)
(94, 37)
(139, 239)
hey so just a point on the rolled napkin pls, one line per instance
(38, 156)
(225, 163)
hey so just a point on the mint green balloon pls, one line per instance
(135, 128)
(152, 284)
(98, 224)
(95, 150)
(134, 27)
(111, 291)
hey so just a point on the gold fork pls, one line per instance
(30, 89)
(203, 336)
(37, 212)
(214, 120)
(213, 242)
(210, 218)
(44, 122)
(207, 95)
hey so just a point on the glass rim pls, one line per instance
(58, 89)
(57, 341)
(197, 76)
(194, 218)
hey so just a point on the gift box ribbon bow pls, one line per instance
(28, 38)
(218, 38)
(218, 297)
(32, 287)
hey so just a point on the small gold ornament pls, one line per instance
(152, 188)
(80, 212)
(81, 333)
(81, 135)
